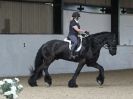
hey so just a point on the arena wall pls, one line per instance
(18, 51)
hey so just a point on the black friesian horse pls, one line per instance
(57, 49)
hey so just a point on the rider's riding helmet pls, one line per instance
(75, 14)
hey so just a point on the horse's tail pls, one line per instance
(38, 62)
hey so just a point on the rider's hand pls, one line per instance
(87, 32)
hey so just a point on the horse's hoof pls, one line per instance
(72, 84)
(48, 80)
(32, 84)
(100, 80)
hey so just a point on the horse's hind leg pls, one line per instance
(32, 80)
(35, 74)
(47, 77)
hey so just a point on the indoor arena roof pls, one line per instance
(123, 3)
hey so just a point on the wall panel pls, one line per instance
(96, 2)
(37, 18)
(126, 3)
(17, 17)
(90, 22)
(75, 1)
(10, 17)
(126, 29)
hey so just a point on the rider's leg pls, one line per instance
(74, 44)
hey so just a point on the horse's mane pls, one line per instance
(100, 34)
(98, 37)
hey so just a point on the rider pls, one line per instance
(74, 30)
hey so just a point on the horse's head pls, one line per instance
(106, 39)
(112, 46)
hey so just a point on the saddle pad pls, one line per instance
(70, 45)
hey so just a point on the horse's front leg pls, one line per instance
(72, 82)
(100, 78)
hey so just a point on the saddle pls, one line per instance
(80, 39)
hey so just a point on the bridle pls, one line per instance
(83, 35)
(107, 47)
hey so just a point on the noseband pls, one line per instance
(107, 47)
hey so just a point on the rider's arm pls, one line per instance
(77, 29)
